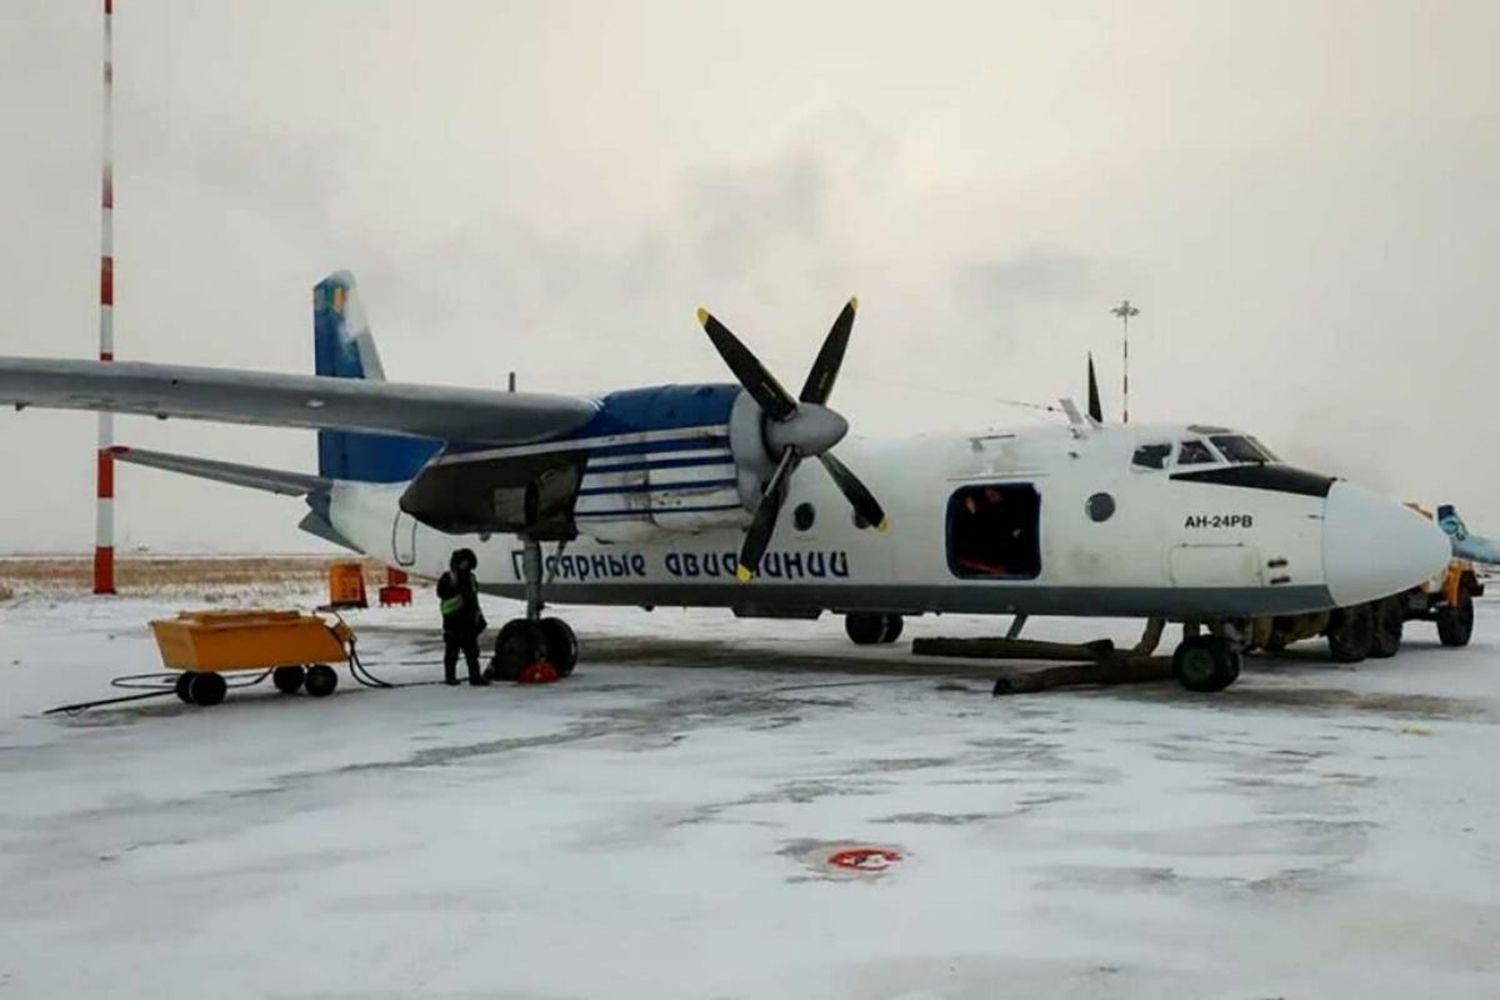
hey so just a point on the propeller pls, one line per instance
(795, 429)
(1096, 408)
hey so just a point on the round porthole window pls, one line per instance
(1101, 507)
(803, 516)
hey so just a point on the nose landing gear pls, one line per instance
(526, 645)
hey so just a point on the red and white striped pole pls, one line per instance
(104, 537)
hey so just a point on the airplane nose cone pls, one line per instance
(1373, 547)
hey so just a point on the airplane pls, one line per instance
(1466, 544)
(674, 495)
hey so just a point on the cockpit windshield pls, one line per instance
(1192, 451)
(1239, 448)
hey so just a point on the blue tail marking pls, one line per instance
(344, 348)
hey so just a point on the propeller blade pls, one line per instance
(826, 368)
(757, 380)
(1096, 408)
(759, 535)
(859, 497)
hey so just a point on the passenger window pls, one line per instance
(994, 531)
(1151, 456)
(1195, 452)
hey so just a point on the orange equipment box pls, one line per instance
(213, 641)
(346, 586)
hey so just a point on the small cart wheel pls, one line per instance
(206, 688)
(181, 687)
(321, 680)
(288, 680)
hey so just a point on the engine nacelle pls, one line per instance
(674, 458)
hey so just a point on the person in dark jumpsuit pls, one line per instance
(463, 621)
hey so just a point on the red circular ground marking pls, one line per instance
(865, 859)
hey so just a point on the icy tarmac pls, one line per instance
(661, 830)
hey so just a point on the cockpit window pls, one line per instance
(1238, 448)
(1151, 456)
(1195, 452)
(1271, 456)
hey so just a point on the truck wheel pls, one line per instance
(864, 629)
(321, 680)
(288, 680)
(1390, 621)
(1350, 633)
(1456, 625)
(1206, 663)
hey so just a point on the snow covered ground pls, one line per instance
(660, 830)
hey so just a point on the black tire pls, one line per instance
(864, 629)
(890, 629)
(321, 680)
(1206, 664)
(1351, 631)
(562, 645)
(519, 644)
(288, 680)
(1389, 623)
(206, 689)
(1456, 625)
(184, 679)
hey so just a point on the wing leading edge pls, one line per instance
(276, 400)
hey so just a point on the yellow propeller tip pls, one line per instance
(854, 302)
(883, 526)
(702, 317)
(744, 574)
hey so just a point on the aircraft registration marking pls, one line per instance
(1219, 521)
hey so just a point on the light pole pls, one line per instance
(1125, 310)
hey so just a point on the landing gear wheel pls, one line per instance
(521, 643)
(864, 629)
(891, 628)
(1390, 621)
(1351, 633)
(206, 689)
(321, 680)
(288, 680)
(1206, 663)
(181, 687)
(562, 645)
(1456, 625)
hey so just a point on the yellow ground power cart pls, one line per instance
(295, 650)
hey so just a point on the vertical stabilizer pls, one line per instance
(344, 347)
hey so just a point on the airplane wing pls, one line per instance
(480, 416)
(294, 484)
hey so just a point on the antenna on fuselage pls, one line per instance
(1096, 408)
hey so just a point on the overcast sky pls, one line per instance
(1301, 197)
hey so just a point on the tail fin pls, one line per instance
(343, 347)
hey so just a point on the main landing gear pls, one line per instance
(869, 629)
(1208, 663)
(530, 648)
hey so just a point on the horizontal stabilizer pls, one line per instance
(294, 484)
(442, 413)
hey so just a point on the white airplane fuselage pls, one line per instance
(1112, 536)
